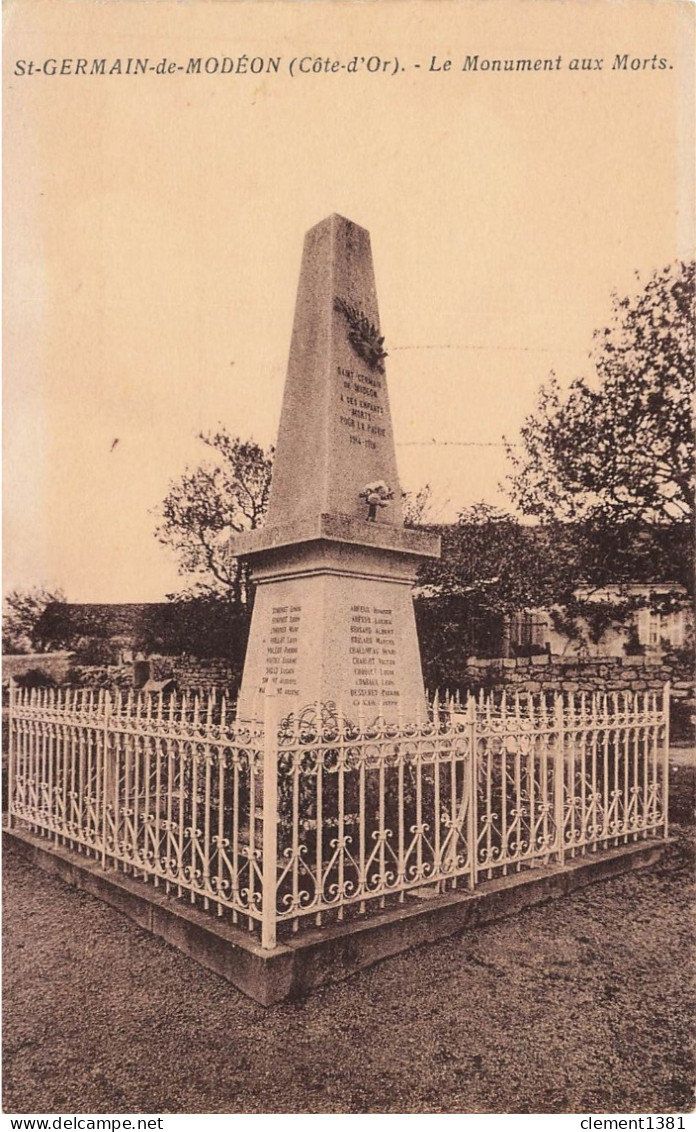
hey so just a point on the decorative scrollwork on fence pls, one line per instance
(172, 790)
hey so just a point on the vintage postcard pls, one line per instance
(347, 559)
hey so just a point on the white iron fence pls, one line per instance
(326, 817)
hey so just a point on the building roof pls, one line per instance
(64, 619)
(200, 627)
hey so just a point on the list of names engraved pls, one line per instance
(373, 656)
(281, 651)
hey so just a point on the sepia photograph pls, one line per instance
(348, 704)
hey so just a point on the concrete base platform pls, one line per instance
(319, 956)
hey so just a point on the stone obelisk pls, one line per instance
(333, 619)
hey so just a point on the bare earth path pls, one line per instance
(584, 1005)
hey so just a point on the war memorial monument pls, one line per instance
(336, 816)
(333, 617)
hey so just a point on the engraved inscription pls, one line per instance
(281, 650)
(361, 413)
(373, 656)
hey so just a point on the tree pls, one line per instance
(619, 449)
(206, 504)
(422, 507)
(500, 563)
(491, 566)
(22, 610)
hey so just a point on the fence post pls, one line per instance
(105, 771)
(472, 824)
(665, 768)
(559, 776)
(269, 843)
(11, 745)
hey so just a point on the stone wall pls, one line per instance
(107, 676)
(194, 673)
(574, 674)
(566, 674)
(524, 674)
(190, 673)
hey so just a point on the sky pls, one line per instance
(153, 229)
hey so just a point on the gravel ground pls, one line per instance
(583, 1005)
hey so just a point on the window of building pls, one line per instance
(529, 631)
(654, 628)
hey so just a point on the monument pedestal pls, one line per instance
(333, 619)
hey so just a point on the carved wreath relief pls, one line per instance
(363, 335)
